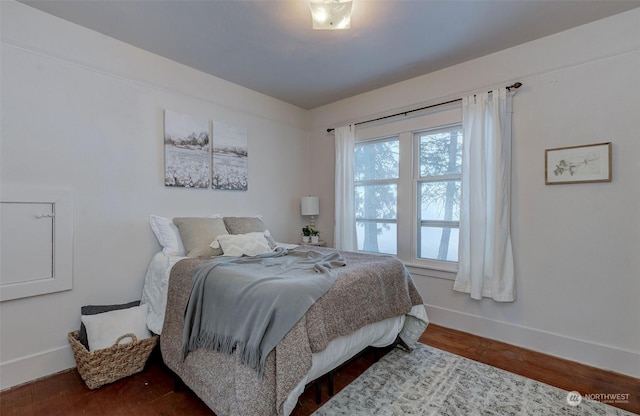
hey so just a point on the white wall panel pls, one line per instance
(36, 241)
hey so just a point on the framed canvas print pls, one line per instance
(186, 150)
(230, 158)
(575, 164)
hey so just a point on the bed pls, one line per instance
(373, 302)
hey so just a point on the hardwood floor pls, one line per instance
(151, 392)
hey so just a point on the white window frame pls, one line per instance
(407, 215)
(442, 265)
(374, 182)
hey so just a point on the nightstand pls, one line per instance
(318, 244)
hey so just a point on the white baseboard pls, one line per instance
(581, 351)
(33, 367)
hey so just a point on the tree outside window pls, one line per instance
(438, 193)
(376, 188)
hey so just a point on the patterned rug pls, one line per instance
(429, 381)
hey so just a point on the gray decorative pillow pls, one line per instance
(197, 233)
(96, 309)
(245, 225)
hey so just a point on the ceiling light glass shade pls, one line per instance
(330, 14)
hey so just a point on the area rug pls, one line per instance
(429, 381)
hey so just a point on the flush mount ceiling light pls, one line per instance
(330, 14)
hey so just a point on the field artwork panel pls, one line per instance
(230, 158)
(186, 151)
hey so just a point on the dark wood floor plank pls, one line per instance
(151, 392)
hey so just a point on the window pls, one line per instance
(407, 178)
(438, 180)
(376, 188)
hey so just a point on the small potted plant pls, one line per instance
(315, 235)
(306, 233)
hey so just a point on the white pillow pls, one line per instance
(168, 235)
(250, 244)
(103, 329)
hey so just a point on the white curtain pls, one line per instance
(345, 221)
(485, 264)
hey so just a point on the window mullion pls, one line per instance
(376, 220)
(440, 178)
(376, 182)
(445, 224)
(405, 227)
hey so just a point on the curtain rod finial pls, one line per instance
(515, 86)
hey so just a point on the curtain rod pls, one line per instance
(513, 86)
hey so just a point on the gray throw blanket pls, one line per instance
(250, 303)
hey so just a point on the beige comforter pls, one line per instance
(368, 289)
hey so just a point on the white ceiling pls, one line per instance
(269, 46)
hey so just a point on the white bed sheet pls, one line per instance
(156, 286)
(340, 350)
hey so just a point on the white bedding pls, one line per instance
(340, 350)
(156, 285)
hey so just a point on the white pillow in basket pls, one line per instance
(104, 329)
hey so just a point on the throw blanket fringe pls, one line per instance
(248, 304)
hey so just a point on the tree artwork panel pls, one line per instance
(230, 158)
(186, 151)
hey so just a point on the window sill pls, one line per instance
(433, 272)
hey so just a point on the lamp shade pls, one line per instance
(310, 205)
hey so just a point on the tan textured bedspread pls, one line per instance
(369, 288)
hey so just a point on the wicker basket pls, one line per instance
(107, 365)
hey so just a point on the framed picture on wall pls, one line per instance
(229, 157)
(575, 164)
(186, 151)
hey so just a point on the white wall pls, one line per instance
(577, 247)
(84, 112)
